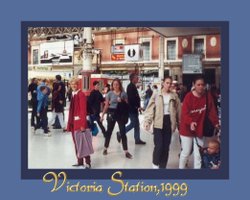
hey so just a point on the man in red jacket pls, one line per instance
(192, 121)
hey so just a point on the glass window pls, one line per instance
(146, 50)
(35, 56)
(86, 81)
(199, 46)
(171, 50)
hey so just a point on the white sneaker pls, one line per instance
(155, 166)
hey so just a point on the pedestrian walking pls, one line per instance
(95, 102)
(42, 109)
(163, 112)
(134, 104)
(113, 98)
(58, 101)
(33, 91)
(195, 105)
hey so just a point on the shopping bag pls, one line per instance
(94, 129)
(83, 141)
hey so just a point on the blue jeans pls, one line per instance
(134, 123)
(146, 101)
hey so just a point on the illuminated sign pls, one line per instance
(117, 57)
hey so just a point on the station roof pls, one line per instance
(184, 31)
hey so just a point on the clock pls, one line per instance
(184, 43)
(213, 41)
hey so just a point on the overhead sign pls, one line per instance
(191, 64)
(117, 52)
(133, 52)
(117, 57)
(117, 49)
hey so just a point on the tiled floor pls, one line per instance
(57, 151)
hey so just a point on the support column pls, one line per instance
(161, 58)
(87, 58)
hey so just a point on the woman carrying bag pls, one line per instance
(113, 98)
(196, 106)
(163, 112)
(77, 124)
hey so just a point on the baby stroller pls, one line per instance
(211, 161)
(201, 151)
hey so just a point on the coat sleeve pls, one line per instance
(212, 114)
(90, 101)
(185, 112)
(83, 109)
(40, 102)
(178, 111)
(133, 97)
(150, 111)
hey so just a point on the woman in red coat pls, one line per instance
(192, 121)
(77, 124)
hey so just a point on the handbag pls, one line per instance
(121, 112)
(92, 125)
(208, 128)
(83, 142)
(94, 129)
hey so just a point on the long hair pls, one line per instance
(120, 84)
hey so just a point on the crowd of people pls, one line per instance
(165, 110)
(40, 101)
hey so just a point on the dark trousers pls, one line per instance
(111, 124)
(43, 122)
(162, 139)
(34, 113)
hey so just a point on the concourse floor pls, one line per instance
(58, 151)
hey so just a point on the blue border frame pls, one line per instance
(222, 173)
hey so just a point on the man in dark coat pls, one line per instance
(58, 100)
(134, 102)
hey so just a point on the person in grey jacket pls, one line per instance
(163, 112)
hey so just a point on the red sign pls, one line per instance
(117, 57)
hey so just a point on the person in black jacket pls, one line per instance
(134, 102)
(94, 105)
(32, 89)
(58, 101)
(148, 95)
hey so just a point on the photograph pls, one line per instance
(124, 100)
(146, 97)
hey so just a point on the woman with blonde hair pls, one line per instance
(77, 124)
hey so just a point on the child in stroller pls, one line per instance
(210, 156)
